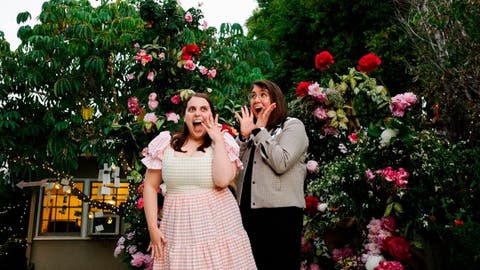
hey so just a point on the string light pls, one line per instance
(73, 189)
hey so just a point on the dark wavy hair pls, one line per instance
(278, 115)
(179, 138)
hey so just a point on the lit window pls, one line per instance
(61, 211)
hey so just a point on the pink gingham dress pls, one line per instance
(201, 223)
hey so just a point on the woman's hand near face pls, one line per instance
(263, 115)
(213, 129)
(246, 122)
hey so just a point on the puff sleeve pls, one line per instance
(233, 150)
(155, 150)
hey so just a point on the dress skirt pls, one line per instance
(203, 230)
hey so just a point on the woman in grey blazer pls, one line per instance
(270, 190)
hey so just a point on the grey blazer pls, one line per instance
(279, 170)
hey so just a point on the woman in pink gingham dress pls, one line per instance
(201, 227)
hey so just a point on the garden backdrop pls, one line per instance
(388, 91)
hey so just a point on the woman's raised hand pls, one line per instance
(213, 129)
(246, 121)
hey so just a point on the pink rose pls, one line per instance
(150, 117)
(152, 104)
(203, 70)
(171, 116)
(150, 76)
(130, 76)
(205, 25)
(312, 166)
(189, 65)
(137, 259)
(320, 113)
(370, 175)
(188, 17)
(152, 96)
(212, 73)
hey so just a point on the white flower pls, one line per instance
(373, 261)
(322, 207)
(387, 136)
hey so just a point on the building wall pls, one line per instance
(82, 254)
(70, 253)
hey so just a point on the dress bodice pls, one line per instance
(187, 174)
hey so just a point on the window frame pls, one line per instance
(85, 231)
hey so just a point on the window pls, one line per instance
(63, 214)
(61, 211)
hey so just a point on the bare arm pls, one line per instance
(152, 181)
(223, 170)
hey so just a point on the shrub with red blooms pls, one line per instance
(311, 204)
(368, 63)
(323, 60)
(397, 247)
(302, 89)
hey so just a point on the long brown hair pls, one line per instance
(179, 138)
(279, 114)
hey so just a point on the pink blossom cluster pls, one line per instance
(139, 259)
(210, 73)
(143, 57)
(399, 177)
(401, 102)
(339, 254)
(152, 101)
(311, 266)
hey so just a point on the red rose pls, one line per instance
(397, 247)
(311, 204)
(302, 89)
(458, 222)
(191, 49)
(323, 60)
(368, 63)
(389, 223)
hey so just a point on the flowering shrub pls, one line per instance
(377, 185)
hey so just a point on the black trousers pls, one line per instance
(275, 236)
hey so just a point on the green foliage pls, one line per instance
(447, 69)
(298, 30)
